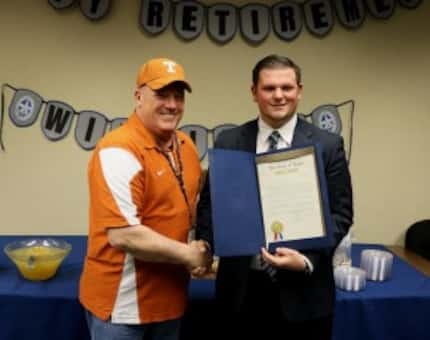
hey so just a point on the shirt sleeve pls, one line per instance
(112, 196)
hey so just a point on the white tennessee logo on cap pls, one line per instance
(170, 66)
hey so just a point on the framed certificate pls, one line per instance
(272, 199)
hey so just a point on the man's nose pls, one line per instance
(171, 102)
(278, 93)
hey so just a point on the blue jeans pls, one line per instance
(105, 330)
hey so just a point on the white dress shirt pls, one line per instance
(286, 131)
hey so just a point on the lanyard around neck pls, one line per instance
(178, 172)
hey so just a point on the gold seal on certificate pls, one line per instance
(277, 228)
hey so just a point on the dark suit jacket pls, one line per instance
(303, 296)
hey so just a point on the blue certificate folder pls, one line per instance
(238, 226)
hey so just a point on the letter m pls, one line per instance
(352, 12)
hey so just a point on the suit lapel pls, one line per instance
(248, 140)
(302, 135)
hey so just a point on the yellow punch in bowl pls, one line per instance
(38, 259)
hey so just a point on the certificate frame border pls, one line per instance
(325, 241)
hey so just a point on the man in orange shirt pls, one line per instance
(143, 183)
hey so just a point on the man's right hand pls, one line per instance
(199, 259)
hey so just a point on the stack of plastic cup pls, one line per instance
(351, 279)
(377, 264)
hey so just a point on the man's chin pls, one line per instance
(168, 128)
(280, 115)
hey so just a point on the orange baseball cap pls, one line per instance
(160, 72)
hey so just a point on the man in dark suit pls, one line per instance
(297, 299)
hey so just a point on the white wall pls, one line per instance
(384, 66)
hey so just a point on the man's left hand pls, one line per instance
(284, 258)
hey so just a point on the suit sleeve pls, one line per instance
(340, 195)
(340, 192)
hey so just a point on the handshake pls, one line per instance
(199, 259)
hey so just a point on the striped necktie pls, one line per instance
(273, 139)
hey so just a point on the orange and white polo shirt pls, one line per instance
(131, 183)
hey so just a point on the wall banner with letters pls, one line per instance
(57, 119)
(254, 21)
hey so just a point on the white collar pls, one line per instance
(286, 131)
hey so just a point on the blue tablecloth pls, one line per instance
(396, 309)
(50, 310)
(42, 310)
(393, 310)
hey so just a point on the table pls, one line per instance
(396, 309)
(417, 261)
(50, 309)
(393, 310)
(42, 310)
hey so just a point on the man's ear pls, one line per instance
(138, 97)
(137, 94)
(301, 92)
(253, 91)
